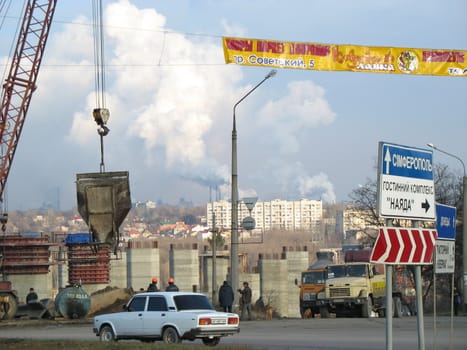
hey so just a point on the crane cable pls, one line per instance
(100, 113)
(99, 65)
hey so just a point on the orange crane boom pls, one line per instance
(21, 81)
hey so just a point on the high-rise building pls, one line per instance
(304, 214)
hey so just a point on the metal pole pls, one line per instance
(464, 221)
(464, 238)
(389, 302)
(389, 307)
(214, 253)
(234, 274)
(420, 319)
(419, 294)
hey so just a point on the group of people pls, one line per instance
(226, 295)
(171, 286)
(226, 298)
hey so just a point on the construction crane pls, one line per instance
(21, 83)
(16, 98)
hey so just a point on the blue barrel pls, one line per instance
(72, 302)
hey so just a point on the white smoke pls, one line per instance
(171, 96)
(303, 107)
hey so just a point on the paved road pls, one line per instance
(296, 334)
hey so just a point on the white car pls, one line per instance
(167, 316)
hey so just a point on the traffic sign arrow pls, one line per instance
(408, 243)
(396, 245)
(430, 241)
(379, 250)
(426, 205)
(418, 248)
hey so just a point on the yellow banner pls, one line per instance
(330, 57)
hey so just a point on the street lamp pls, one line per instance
(234, 227)
(464, 216)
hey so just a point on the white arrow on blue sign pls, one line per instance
(405, 182)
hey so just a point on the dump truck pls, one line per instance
(358, 287)
(312, 285)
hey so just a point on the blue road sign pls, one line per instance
(405, 182)
(446, 221)
(406, 161)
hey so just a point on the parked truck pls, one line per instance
(312, 285)
(358, 287)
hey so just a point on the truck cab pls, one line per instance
(358, 288)
(312, 283)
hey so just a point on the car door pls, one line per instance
(131, 322)
(155, 316)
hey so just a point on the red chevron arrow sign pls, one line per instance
(396, 245)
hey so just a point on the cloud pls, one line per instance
(317, 186)
(304, 106)
(231, 29)
(170, 97)
(164, 94)
(293, 179)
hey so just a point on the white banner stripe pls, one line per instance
(412, 253)
(401, 245)
(388, 245)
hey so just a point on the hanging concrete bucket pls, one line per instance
(103, 203)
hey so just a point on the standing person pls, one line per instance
(172, 287)
(246, 300)
(153, 285)
(32, 296)
(226, 297)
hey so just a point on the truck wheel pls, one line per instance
(367, 308)
(397, 305)
(8, 306)
(170, 336)
(324, 312)
(302, 311)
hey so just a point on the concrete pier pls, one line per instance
(143, 263)
(184, 266)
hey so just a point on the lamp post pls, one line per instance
(234, 226)
(464, 216)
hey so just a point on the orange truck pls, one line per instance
(312, 285)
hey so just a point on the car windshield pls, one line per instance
(336, 271)
(313, 277)
(347, 271)
(192, 302)
(356, 271)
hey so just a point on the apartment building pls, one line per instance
(304, 214)
(351, 222)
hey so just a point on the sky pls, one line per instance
(301, 134)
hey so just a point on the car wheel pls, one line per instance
(107, 334)
(170, 336)
(211, 341)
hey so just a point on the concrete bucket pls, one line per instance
(103, 203)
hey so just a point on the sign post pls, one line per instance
(406, 191)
